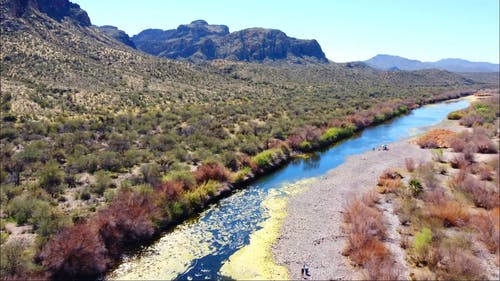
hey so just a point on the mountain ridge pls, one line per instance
(200, 41)
(388, 62)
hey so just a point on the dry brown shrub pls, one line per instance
(76, 252)
(459, 162)
(468, 151)
(484, 144)
(482, 195)
(487, 223)
(211, 171)
(370, 198)
(388, 185)
(365, 231)
(458, 264)
(436, 196)
(170, 190)
(451, 213)
(457, 144)
(485, 173)
(471, 120)
(436, 138)
(381, 269)
(410, 164)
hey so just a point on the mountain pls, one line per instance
(57, 10)
(117, 34)
(388, 62)
(199, 41)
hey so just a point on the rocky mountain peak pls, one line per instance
(56, 9)
(199, 41)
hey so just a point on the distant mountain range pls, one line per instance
(388, 62)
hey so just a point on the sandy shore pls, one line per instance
(312, 231)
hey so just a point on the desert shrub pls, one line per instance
(23, 206)
(415, 186)
(83, 163)
(436, 138)
(456, 115)
(242, 174)
(458, 264)
(422, 239)
(437, 155)
(265, 158)
(335, 134)
(171, 189)
(436, 196)
(85, 194)
(457, 144)
(211, 171)
(102, 182)
(451, 213)
(110, 160)
(470, 120)
(380, 267)
(410, 164)
(487, 223)
(427, 174)
(151, 173)
(484, 144)
(183, 176)
(389, 181)
(459, 162)
(485, 173)
(74, 253)
(14, 260)
(51, 177)
(481, 194)
(365, 230)
(130, 218)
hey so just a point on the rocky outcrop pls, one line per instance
(200, 41)
(117, 34)
(56, 9)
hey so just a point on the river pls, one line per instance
(201, 247)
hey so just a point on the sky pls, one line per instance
(347, 30)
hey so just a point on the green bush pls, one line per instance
(422, 239)
(264, 158)
(415, 187)
(102, 182)
(51, 177)
(336, 134)
(456, 115)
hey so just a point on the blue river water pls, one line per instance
(226, 226)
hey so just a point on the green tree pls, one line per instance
(51, 177)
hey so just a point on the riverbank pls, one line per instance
(312, 230)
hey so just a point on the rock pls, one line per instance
(199, 41)
(117, 34)
(56, 9)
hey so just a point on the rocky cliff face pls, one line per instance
(56, 9)
(117, 34)
(199, 41)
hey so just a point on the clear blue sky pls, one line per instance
(347, 30)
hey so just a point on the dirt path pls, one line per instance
(312, 231)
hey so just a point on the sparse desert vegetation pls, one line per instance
(448, 208)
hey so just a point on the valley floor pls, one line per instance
(312, 233)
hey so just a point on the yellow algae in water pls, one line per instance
(255, 261)
(167, 258)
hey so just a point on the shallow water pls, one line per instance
(232, 238)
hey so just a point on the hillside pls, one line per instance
(199, 41)
(388, 62)
(104, 142)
